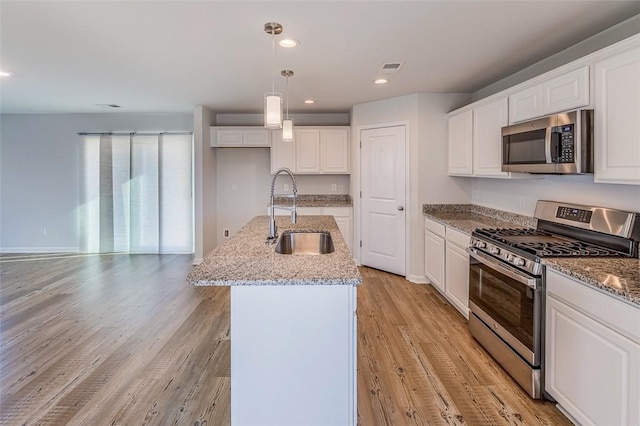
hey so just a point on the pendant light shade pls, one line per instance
(273, 110)
(287, 129)
(273, 100)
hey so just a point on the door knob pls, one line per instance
(400, 208)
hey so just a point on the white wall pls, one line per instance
(427, 148)
(205, 188)
(506, 194)
(39, 173)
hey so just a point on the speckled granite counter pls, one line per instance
(315, 200)
(246, 259)
(467, 217)
(619, 277)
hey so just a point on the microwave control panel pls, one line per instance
(566, 144)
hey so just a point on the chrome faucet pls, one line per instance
(273, 229)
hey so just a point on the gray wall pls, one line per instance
(39, 173)
(243, 175)
(599, 41)
(520, 196)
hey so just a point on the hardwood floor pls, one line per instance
(117, 339)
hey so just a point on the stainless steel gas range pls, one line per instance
(506, 278)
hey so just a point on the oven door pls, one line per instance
(509, 302)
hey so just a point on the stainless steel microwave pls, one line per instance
(556, 144)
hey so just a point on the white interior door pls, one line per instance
(383, 198)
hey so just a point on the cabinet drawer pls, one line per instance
(458, 238)
(435, 227)
(614, 313)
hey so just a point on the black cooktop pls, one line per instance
(544, 244)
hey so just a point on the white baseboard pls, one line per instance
(39, 250)
(418, 279)
(197, 260)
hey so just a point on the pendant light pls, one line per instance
(273, 100)
(287, 123)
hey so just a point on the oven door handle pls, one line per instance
(505, 270)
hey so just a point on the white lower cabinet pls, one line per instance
(434, 253)
(457, 270)
(446, 263)
(592, 353)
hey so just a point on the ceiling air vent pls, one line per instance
(391, 67)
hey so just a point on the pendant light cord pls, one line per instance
(273, 60)
(287, 96)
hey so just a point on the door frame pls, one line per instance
(356, 185)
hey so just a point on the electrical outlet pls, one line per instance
(44, 231)
(523, 202)
(225, 233)
(234, 187)
(334, 187)
(286, 187)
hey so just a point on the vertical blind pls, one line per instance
(136, 194)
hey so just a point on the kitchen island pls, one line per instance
(293, 326)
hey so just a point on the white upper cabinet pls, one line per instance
(313, 150)
(283, 153)
(334, 151)
(307, 150)
(568, 91)
(617, 118)
(461, 144)
(565, 92)
(488, 121)
(240, 137)
(526, 104)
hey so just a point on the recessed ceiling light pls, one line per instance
(288, 42)
(309, 101)
(5, 74)
(380, 81)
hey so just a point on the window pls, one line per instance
(136, 194)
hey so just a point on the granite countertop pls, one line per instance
(467, 217)
(246, 259)
(316, 200)
(619, 277)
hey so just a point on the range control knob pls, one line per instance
(495, 250)
(518, 261)
(508, 257)
(481, 244)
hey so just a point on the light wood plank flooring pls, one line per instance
(118, 339)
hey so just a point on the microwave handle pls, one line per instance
(547, 145)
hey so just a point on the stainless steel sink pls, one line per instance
(305, 243)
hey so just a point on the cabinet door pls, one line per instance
(592, 371)
(434, 259)
(457, 277)
(283, 153)
(228, 137)
(334, 151)
(256, 137)
(307, 150)
(488, 121)
(617, 123)
(526, 104)
(568, 91)
(461, 144)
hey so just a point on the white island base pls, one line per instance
(293, 355)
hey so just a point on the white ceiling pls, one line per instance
(153, 56)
